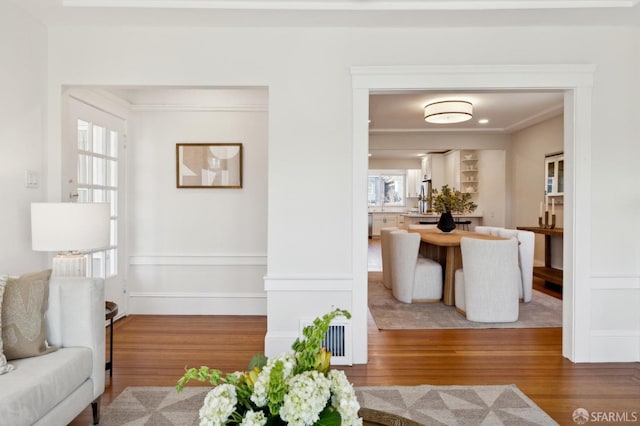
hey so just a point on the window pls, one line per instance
(386, 188)
(97, 178)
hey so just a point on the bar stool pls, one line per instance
(463, 224)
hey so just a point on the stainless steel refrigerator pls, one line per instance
(424, 205)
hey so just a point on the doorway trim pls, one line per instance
(577, 81)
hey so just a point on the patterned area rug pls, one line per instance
(456, 405)
(428, 405)
(389, 314)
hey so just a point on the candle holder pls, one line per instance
(546, 223)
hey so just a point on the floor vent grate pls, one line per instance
(337, 341)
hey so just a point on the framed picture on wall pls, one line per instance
(209, 165)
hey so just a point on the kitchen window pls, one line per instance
(386, 188)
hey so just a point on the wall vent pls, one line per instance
(337, 341)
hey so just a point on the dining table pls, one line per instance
(444, 247)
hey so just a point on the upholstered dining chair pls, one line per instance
(414, 278)
(418, 226)
(490, 230)
(487, 286)
(526, 247)
(386, 253)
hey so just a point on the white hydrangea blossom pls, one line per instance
(219, 403)
(343, 397)
(308, 395)
(252, 418)
(260, 395)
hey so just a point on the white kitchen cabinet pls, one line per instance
(469, 171)
(414, 181)
(383, 220)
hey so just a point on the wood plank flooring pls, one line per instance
(154, 350)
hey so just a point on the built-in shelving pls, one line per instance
(469, 171)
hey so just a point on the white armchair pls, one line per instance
(414, 278)
(385, 251)
(487, 287)
(526, 247)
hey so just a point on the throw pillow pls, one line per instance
(4, 367)
(24, 306)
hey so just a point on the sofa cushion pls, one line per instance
(4, 367)
(23, 315)
(39, 383)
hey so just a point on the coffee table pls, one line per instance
(376, 417)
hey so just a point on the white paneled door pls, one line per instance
(94, 172)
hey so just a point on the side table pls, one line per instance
(548, 273)
(111, 310)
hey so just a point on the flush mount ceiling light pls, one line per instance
(446, 112)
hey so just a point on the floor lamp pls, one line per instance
(69, 229)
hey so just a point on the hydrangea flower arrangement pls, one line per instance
(296, 389)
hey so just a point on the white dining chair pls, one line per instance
(418, 226)
(526, 248)
(487, 285)
(385, 252)
(489, 230)
(414, 278)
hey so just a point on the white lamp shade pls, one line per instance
(448, 112)
(69, 226)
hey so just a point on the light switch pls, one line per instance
(31, 179)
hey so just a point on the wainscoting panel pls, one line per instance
(614, 307)
(295, 299)
(197, 285)
(197, 303)
(204, 259)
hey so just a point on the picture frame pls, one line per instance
(209, 165)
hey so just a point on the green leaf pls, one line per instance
(307, 349)
(258, 360)
(329, 417)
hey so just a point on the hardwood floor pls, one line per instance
(154, 350)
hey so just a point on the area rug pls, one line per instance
(427, 405)
(389, 314)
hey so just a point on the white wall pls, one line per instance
(491, 197)
(527, 173)
(197, 251)
(310, 181)
(23, 49)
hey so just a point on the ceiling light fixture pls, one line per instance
(483, 121)
(446, 112)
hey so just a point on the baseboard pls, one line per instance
(147, 303)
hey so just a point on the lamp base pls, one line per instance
(69, 265)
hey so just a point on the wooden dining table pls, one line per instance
(444, 247)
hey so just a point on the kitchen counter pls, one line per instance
(437, 215)
(475, 219)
